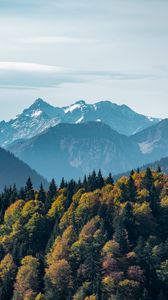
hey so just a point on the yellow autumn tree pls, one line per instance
(7, 276)
(58, 280)
(27, 279)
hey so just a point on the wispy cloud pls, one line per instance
(28, 67)
(33, 75)
(55, 40)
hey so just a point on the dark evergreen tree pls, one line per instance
(22, 194)
(147, 181)
(132, 193)
(109, 179)
(29, 190)
(12, 194)
(154, 200)
(71, 188)
(62, 184)
(124, 192)
(92, 182)
(52, 192)
(85, 182)
(100, 180)
(129, 222)
(79, 185)
(41, 194)
(121, 234)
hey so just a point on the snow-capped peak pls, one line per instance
(81, 102)
(151, 119)
(40, 101)
(42, 115)
(71, 108)
(77, 105)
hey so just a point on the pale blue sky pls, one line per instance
(65, 50)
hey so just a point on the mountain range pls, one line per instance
(41, 115)
(72, 141)
(72, 150)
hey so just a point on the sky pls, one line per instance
(67, 50)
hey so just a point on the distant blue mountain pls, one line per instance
(41, 116)
(153, 141)
(71, 150)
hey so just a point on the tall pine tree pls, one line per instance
(41, 195)
(100, 180)
(52, 192)
(109, 179)
(29, 190)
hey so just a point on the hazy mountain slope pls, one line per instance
(153, 141)
(41, 115)
(71, 150)
(14, 171)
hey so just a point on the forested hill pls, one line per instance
(89, 240)
(159, 165)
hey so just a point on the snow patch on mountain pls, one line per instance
(147, 147)
(79, 120)
(72, 108)
(36, 113)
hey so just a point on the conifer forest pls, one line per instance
(94, 239)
